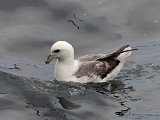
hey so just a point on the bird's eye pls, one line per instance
(56, 51)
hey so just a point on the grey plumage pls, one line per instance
(98, 65)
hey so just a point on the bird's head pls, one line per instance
(60, 50)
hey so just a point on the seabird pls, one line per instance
(89, 68)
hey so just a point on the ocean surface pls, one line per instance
(28, 28)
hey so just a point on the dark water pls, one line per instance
(29, 27)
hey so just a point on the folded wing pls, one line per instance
(99, 66)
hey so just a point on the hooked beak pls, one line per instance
(49, 59)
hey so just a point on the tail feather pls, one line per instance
(126, 52)
(120, 54)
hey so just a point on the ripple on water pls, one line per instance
(53, 99)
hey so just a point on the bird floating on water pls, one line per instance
(89, 68)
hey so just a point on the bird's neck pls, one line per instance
(65, 69)
(68, 60)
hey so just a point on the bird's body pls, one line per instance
(88, 68)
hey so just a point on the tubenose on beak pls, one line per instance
(49, 59)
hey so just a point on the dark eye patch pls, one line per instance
(56, 51)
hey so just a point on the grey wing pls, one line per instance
(103, 57)
(92, 57)
(90, 67)
(94, 69)
(99, 65)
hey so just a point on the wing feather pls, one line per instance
(98, 65)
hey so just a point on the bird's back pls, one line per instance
(102, 67)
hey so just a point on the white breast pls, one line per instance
(64, 72)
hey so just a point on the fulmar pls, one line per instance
(89, 68)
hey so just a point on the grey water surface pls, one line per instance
(28, 28)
